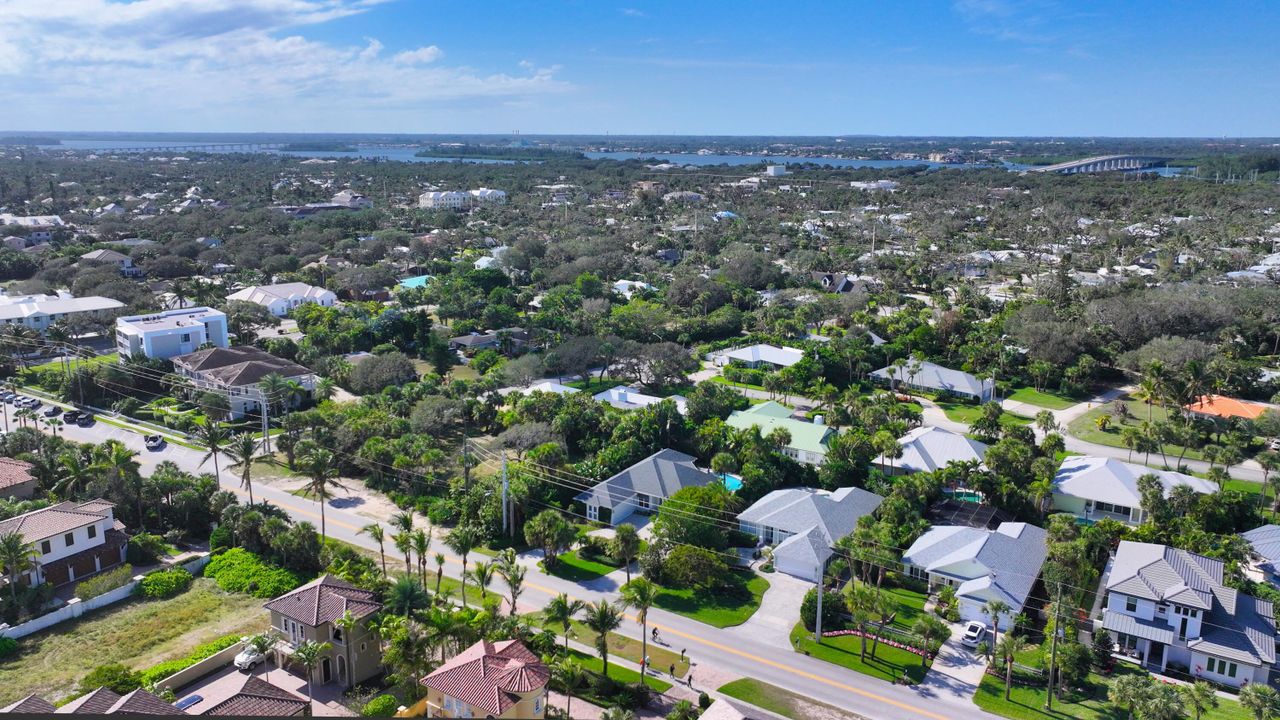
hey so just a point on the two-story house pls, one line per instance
(487, 680)
(643, 487)
(70, 541)
(171, 332)
(238, 372)
(1169, 608)
(280, 298)
(310, 613)
(123, 262)
(809, 440)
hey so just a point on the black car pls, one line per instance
(71, 416)
(52, 411)
(85, 419)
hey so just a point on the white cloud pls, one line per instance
(421, 56)
(186, 64)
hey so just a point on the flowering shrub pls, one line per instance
(883, 641)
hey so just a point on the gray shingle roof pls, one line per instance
(1266, 543)
(1160, 573)
(1129, 625)
(796, 510)
(936, 377)
(1003, 563)
(926, 449)
(1114, 481)
(659, 475)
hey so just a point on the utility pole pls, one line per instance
(466, 465)
(266, 432)
(505, 510)
(1053, 649)
(817, 621)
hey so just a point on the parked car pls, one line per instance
(249, 658)
(71, 416)
(52, 411)
(974, 632)
(32, 403)
(85, 419)
(154, 442)
(188, 701)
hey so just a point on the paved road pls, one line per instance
(725, 650)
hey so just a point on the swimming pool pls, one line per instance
(732, 482)
(416, 281)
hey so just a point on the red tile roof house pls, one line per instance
(309, 612)
(15, 479)
(99, 702)
(70, 541)
(259, 698)
(489, 680)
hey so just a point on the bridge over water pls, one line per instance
(1104, 163)
(204, 147)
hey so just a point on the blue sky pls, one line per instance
(963, 67)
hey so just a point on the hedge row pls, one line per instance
(238, 570)
(156, 673)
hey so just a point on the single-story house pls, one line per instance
(629, 398)
(1265, 541)
(926, 449)
(1221, 408)
(802, 525)
(935, 378)
(1092, 487)
(550, 386)
(809, 440)
(755, 356)
(982, 565)
(1170, 607)
(643, 487)
(281, 298)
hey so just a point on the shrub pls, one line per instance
(694, 567)
(8, 646)
(381, 706)
(238, 570)
(145, 549)
(704, 700)
(832, 604)
(158, 672)
(115, 677)
(165, 583)
(105, 582)
(219, 539)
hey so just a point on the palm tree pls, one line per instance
(376, 533)
(347, 623)
(1163, 702)
(1261, 700)
(1200, 697)
(16, 558)
(243, 450)
(571, 676)
(618, 713)
(440, 560)
(626, 543)
(1007, 650)
(404, 543)
(933, 632)
(402, 521)
(561, 611)
(462, 540)
(1128, 691)
(512, 574)
(212, 436)
(683, 710)
(325, 389)
(603, 617)
(859, 598)
(482, 574)
(308, 656)
(406, 596)
(321, 468)
(640, 594)
(121, 467)
(994, 609)
(275, 388)
(262, 643)
(420, 541)
(75, 472)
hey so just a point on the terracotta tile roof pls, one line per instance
(98, 702)
(1226, 407)
(324, 600)
(30, 705)
(13, 472)
(238, 366)
(489, 675)
(55, 520)
(260, 698)
(141, 702)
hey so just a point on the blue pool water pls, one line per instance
(416, 281)
(732, 482)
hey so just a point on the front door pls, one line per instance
(326, 671)
(1155, 657)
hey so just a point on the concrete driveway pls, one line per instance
(956, 672)
(778, 613)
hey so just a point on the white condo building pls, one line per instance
(170, 333)
(38, 312)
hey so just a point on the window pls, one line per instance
(1222, 667)
(186, 337)
(1130, 604)
(93, 531)
(69, 539)
(45, 547)
(337, 634)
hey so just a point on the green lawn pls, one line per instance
(724, 608)
(783, 702)
(969, 414)
(910, 606)
(1052, 401)
(889, 663)
(619, 645)
(137, 633)
(1085, 428)
(594, 385)
(574, 568)
(724, 381)
(591, 663)
(78, 363)
(1027, 702)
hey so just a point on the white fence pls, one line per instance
(76, 607)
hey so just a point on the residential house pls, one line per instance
(105, 256)
(436, 200)
(283, 297)
(809, 440)
(508, 340)
(624, 397)
(70, 541)
(549, 386)
(628, 288)
(1092, 488)
(310, 614)
(171, 332)
(16, 482)
(930, 448)
(39, 312)
(352, 200)
(756, 356)
(643, 487)
(259, 698)
(238, 372)
(935, 378)
(1265, 541)
(837, 282)
(982, 565)
(102, 701)
(501, 679)
(1222, 409)
(803, 524)
(1171, 609)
